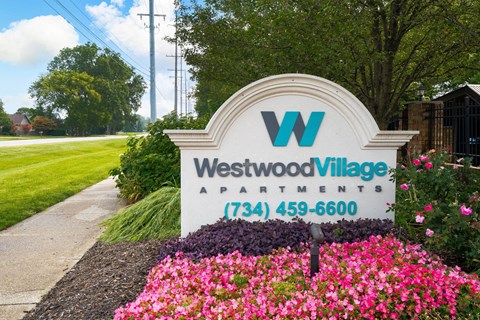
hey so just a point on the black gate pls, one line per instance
(456, 127)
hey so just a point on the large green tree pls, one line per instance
(381, 50)
(93, 88)
(5, 121)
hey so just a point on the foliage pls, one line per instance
(22, 129)
(36, 177)
(44, 124)
(136, 123)
(5, 121)
(155, 217)
(152, 161)
(379, 278)
(260, 238)
(379, 50)
(29, 112)
(94, 87)
(439, 206)
(25, 128)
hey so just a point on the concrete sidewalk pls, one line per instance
(37, 252)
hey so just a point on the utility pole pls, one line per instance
(176, 56)
(153, 87)
(176, 61)
(186, 92)
(177, 76)
(181, 89)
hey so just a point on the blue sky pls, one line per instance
(32, 32)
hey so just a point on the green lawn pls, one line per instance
(32, 178)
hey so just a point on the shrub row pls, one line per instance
(152, 161)
(260, 238)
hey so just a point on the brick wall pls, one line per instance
(421, 116)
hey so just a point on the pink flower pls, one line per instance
(455, 167)
(428, 207)
(429, 165)
(419, 219)
(429, 232)
(424, 158)
(466, 211)
(417, 162)
(404, 186)
(375, 278)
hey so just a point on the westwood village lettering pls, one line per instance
(328, 166)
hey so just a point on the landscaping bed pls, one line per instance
(253, 270)
(107, 276)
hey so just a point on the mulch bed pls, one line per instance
(107, 276)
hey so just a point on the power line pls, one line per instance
(158, 90)
(151, 76)
(89, 30)
(107, 37)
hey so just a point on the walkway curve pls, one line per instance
(37, 252)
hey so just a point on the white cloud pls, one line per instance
(36, 40)
(130, 32)
(126, 31)
(13, 102)
(119, 3)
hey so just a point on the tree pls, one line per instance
(137, 123)
(95, 88)
(5, 121)
(30, 112)
(44, 124)
(75, 94)
(380, 50)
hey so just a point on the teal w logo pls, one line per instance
(292, 122)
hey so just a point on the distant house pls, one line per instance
(19, 119)
(21, 123)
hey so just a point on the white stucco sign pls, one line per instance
(287, 146)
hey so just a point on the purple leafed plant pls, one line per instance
(260, 238)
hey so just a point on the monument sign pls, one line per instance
(287, 146)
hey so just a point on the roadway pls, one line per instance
(19, 143)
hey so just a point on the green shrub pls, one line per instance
(438, 204)
(152, 161)
(155, 217)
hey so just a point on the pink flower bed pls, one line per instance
(378, 278)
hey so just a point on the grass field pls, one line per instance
(32, 178)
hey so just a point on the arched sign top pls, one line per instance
(354, 113)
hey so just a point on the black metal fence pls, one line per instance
(456, 127)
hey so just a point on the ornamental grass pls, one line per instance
(155, 217)
(379, 278)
